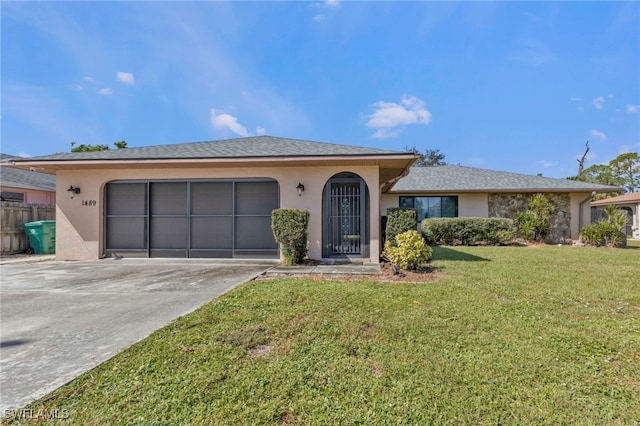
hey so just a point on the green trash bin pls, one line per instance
(42, 236)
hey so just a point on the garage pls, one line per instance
(224, 218)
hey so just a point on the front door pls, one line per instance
(345, 217)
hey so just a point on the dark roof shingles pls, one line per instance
(22, 178)
(250, 147)
(470, 179)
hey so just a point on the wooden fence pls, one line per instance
(12, 236)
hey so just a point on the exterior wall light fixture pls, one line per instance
(300, 189)
(73, 190)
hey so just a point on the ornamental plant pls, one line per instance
(534, 223)
(608, 231)
(290, 230)
(470, 231)
(410, 251)
(399, 220)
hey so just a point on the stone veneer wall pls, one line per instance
(507, 205)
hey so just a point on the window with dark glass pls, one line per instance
(428, 207)
(12, 196)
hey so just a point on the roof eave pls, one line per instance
(52, 165)
(502, 190)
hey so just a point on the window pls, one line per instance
(12, 196)
(431, 206)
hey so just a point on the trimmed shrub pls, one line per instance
(290, 230)
(534, 223)
(468, 231)
(410, 251)
(399, 220)
(608, 231)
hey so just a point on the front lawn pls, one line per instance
(538, 335)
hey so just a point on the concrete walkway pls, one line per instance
(338, 268)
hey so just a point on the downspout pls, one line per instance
(581, 211)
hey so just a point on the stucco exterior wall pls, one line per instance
(573, 212)
(80, 220)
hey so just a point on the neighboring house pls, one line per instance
(214, 199)
(24, 186)
(629, 203)
(458, 191)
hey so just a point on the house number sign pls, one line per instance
(89, 203)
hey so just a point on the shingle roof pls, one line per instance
(634, 197)
(25, 179)
(470, 179)
(250, 147)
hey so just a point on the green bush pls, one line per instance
(608, 231)
(410, 251)
(534, 223)
(399, 220)
(290, 230)
(468, 231)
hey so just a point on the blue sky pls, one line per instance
(512, 86)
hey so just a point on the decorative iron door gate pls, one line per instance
(346, 218)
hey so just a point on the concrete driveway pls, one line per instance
(60, 319)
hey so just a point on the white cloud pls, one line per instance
(633, 108)
(389, 117)
(598, 134)
(89, 79)
(261, 131)
(126, 78)
(546, 164)
(106, 91)
(598, 102)
(223, 121)
(333, 4)
(575, 99)
(318, 18)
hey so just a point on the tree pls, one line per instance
(627, 168)
(581, 161)
(431, 157)
(89, 148)
(602, 174)
(624, 170)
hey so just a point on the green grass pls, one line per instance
(546, 335)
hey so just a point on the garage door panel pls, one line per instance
(254, 233)
(168, 253)
(212, 198)
(212, 233)
(168, 233)
(256, 198)
(168, 198)
(126, 233)
(211, 254)
(129, 199)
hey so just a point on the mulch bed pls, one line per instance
(426, 274)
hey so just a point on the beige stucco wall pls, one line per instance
(580, 212)
(477, 205)
(80, 227)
